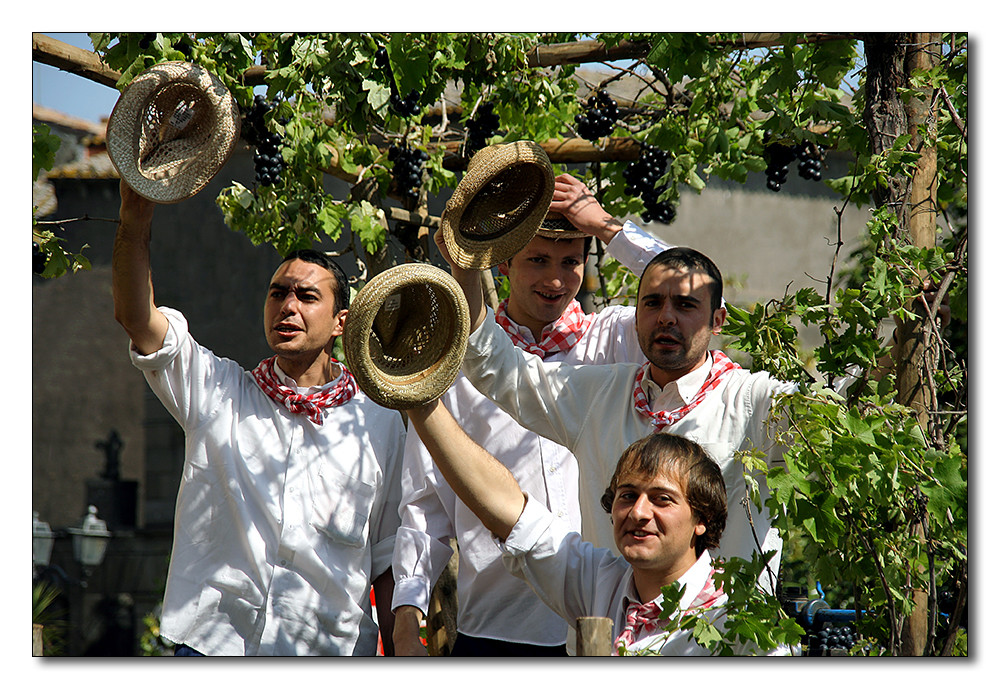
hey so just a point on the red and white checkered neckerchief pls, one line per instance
(559, 336)
(643, 618)
(721, 366)
(313, 404)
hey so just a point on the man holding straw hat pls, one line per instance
(498, 614)
(288, 505)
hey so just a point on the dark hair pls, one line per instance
(341, 292)
(704, 489)
(683, 257)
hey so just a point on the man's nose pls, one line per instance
(667, 314)
(641, 509)
(289, 304)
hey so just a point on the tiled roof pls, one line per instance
(50, 116)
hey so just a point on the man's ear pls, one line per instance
(338, 323)
(504, 269)
(718, 320)
(699, 530)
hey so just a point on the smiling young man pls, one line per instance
(288, 505)
(667, 502)
(498, 615)
(683, 389)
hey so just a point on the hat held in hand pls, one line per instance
(405, 335)
(171, 131)
(556, 226)
(498, 205)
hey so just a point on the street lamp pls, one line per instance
(41, 542)
(90, 541)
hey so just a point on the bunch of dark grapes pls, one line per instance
(481, 128)
(146, 40)
(407, 170)
(407, 106)
(37, 258)
(779, 157)
(599, 119)
(836, 637)
(267, 161)
(641, 177)
(404, 106)
(810, 157)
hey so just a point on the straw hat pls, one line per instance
(405, 335)
(498, 205)
(556, 226)
(172, 129)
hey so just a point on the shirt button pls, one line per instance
(283, 563)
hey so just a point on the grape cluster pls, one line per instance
(836, 637)
(37, 258)
(810, 157)
(641, 177)
(267, 161)
(779, 157)
(599, 119)
(481, 128)
(407, 106)
(146, 40)
(407, 170)
(404, 106)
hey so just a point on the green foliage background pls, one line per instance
(863, 478)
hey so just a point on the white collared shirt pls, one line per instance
(281, 524)
(577, 579)
(677, 393)
(491, 603)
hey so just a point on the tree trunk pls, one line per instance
(891, 59)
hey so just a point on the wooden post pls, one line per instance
(593, 636)
(37, 648)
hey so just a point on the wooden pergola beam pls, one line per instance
(579, 52)
(69, 58)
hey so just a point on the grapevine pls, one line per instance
(642, 176)
(407, 170)
(599, 119)
(267, 160)
(481, 128)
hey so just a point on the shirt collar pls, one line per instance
(687, 386)
(288, 381)
(694, 579)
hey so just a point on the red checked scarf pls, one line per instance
(721, 366)
(312, 405)
(643, 618)
(559, 336)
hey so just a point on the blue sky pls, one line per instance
(69, 93)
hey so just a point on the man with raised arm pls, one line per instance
(683, 389)
(497, 614)
(667, 502)
(288, 505)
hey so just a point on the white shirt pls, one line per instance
(491, 603)
(577, 579)
(590, 410)
(281, 524)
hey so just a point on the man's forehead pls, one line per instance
(667, 477)
(548, 246)
(301, 274)
(682, 278)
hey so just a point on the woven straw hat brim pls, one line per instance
(405, 335)
(558, 227)
(499, 204)
(172, 129)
